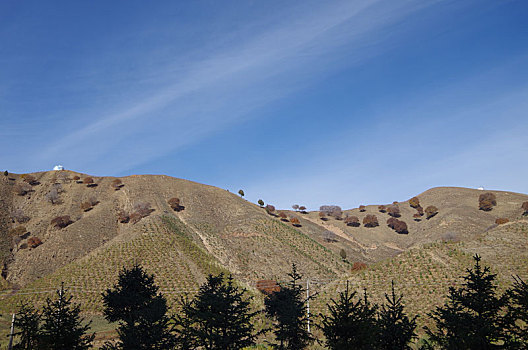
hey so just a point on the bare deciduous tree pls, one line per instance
(394, 211)
(370, 221)
(352, 221)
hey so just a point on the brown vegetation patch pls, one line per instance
(370, 221)
(61, 221)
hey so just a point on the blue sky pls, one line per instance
(309, 102)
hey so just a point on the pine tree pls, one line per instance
(219, 317)
(141, 311)
(27, 322)
(349, 324)
(472, 317)
(518, 314)
(396, 329)
(62, 325)
(288, 308)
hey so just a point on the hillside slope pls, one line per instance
(216, 231)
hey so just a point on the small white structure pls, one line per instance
(480, 188)
(58, 167)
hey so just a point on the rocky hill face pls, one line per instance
(211, 231)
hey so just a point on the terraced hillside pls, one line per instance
(213, 230)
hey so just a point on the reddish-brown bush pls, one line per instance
(362, 208)
(382, 208)
(358, 266)
(487, 201)
(417, 217)
(283, 216)
(117, 184)
(295, 221)
(501, 221)
(88, 180)
(420, 210)
(19, 216)
(414, 202)
(270, 209)
(302, 208)
(76, 177)
(30, 179)
(401, 227)
(34, 242)
(174, 203)
(17, 231)
(62, 221)
(123, 216)
(524, 207)
(141, 210)
(322, 216)
(22, 188)
(370, 221)
(391, 222)
(135, 217)
(352, 221)
(431, 211)
(394, 211)
(268, 286)
(86, 206)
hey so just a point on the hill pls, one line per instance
(213, 231)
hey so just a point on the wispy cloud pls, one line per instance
(197, 97)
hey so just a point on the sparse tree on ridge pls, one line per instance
(295, 207)
(241, 193)
(260, 202)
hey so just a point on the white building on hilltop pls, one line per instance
(58, 167)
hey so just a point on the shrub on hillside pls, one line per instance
(268, 286)
(22, 188)
(270, 209)
(420, 210)
(174, 203)
(17, 231)
(401, 227)
(6, 173)
(414, 202)
(123, 216)
(322, 216)
(76, 178)
(352, 221)
(283, 216)
(394, 211)
(382, 208)
(330, 237)
(302, 209)
(370, 221)
(431, 211)
(62, 221)
(501, 221)
(53, 196)
(86, 206)
(362, 208)
(135, 217)
(391, 222)
(88, 180)
(358, 266)
(23, 246)
(30, 179)
(19, 216)
(487, 201)
(331, 210)
(260, 203)
(295, 221)
(140, 210)
(417, 217)
(343, 254)
(117, 184)
(524, 207)
(34, 242)
(295, 207)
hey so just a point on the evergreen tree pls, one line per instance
(288, 308)
(219, 317)
(350, 324)
(141, 311)
(472, 317)
(27, 323)
(518, 314)
(62, 327)
(396, 330)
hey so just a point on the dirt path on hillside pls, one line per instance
(339, 232)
